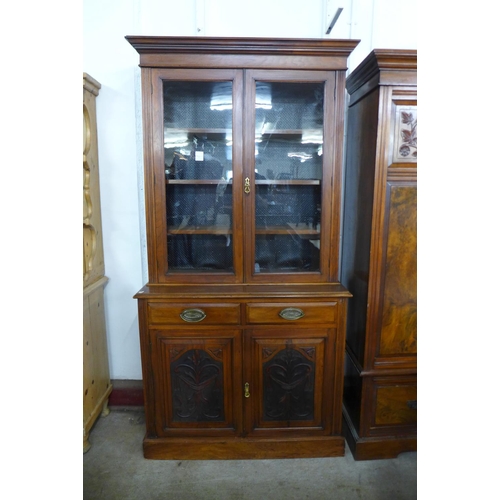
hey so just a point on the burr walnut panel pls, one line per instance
(398, 333)
(396, 405)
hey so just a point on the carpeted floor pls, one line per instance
(114, 468)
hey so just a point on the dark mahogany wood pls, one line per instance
(280, 53)
(242, 362)
(380, 255)
(243, 448)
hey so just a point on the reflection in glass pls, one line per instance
(288, 175)
(198, 171)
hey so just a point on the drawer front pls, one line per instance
(292, 313)
(161, 313)
(395, 403)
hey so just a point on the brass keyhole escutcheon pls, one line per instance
(247, 390)
(247, 185)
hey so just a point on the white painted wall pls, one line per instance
(109, 58)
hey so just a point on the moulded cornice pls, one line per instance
(246, 46)
(91, 84)
(381, 63)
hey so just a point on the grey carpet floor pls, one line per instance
(114, 468)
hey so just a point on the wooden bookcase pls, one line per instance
(380, 255)
(242, 321)
(96, 382)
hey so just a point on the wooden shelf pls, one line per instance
(198, 131)
(213, 230)
(300, 230)
(285, 182)
(201, 182)
(285, 132)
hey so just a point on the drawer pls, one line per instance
(297, 313)
(162, 313)
(395, 403)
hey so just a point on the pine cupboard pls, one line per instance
(96, 382)
(379, 263)
(242, 321)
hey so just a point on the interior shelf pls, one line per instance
(300, 229)
(193, 182)
(199, 230)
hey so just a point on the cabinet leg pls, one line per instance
(105, 410)
(86, 443)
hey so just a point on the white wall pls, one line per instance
(113, 62)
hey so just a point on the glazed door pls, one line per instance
(288, 381)
(288, 161)
(196, 148)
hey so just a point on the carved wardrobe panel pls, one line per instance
(379, 263)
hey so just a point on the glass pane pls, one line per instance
(288, 176)
(198, 171)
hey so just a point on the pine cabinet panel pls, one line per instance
(96, 382)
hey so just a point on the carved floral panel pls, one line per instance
(197, 387)
(405, 135)
(289, 386)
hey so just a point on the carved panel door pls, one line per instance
(197, 382)
(290, 381)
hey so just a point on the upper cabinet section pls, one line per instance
(243, 151)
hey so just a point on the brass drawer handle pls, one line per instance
(291, 313)
(247, 185)
(247, 390)
(412, 404)
(193, 315)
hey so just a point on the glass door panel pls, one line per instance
(198, 125)
(288, 176)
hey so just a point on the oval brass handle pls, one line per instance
(247, 185)
(247, 390)
(193, 315)
(291, 313)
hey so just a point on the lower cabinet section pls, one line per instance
(268, 387)
(96, 381)
(380, 413)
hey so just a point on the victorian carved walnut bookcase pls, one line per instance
(242, 321)
(379, 264)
